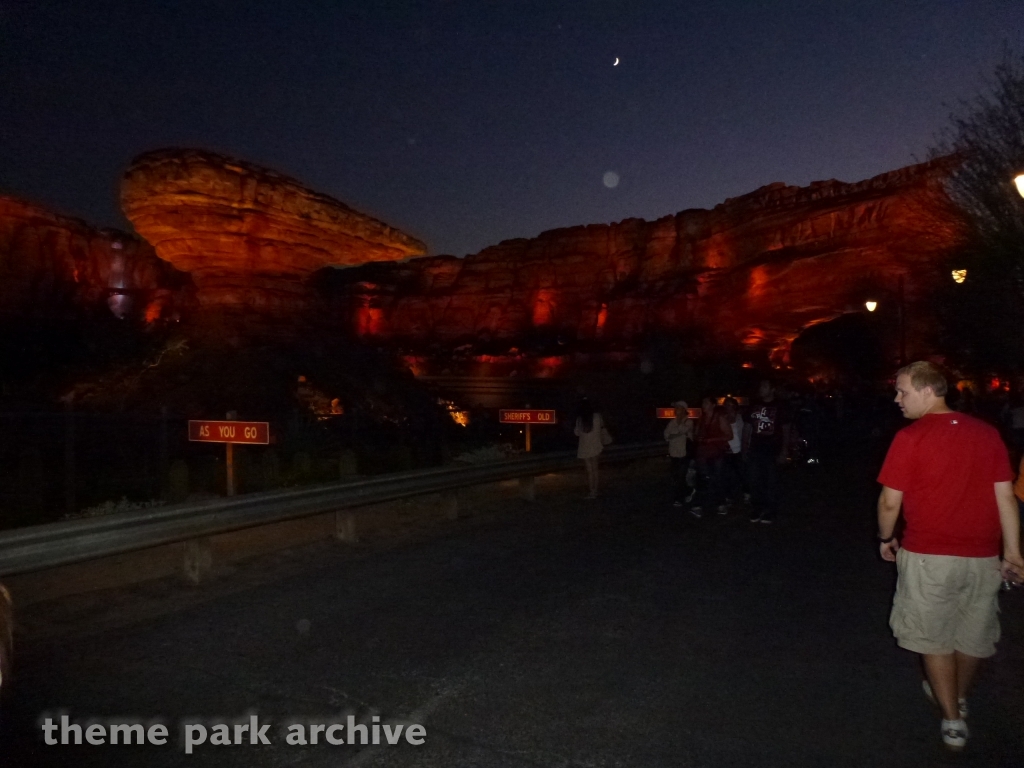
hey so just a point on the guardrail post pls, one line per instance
(70, 502)
(198, 560)
(345, 526)
(450, 505)
(528, 488)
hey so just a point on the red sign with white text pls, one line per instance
(252, 432)
(527, 417)
(670, 413)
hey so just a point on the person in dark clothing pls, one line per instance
(713, 435)
(733, 474)
(769, 440)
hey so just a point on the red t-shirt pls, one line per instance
(946, 465)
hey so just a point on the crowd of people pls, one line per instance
(730, 455)
(949, 513)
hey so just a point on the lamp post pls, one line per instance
(1019, 181)
(901, 316)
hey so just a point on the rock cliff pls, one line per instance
(248, 236)
(57, 266)
(748, 275)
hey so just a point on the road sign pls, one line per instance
(527, 416)
(251, 432)
(670, 413)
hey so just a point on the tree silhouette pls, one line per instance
(983, 317)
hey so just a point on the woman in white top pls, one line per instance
(733, 480)
(589, 427)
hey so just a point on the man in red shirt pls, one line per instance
(951, 474)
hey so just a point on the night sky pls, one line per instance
(467, 122)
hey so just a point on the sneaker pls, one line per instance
(954, 734)
(697, 512)
(756, 517)
(723, 510)
(766, 520)
(961, 703)
(677, 503)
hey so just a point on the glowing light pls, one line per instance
(616, 62)
(369, 321)
(457, 415)
(1019, 181)
(959, 275)
(611, 179)
(871, 305)
(602, 319)
(544, 308)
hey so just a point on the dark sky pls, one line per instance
(465, 122)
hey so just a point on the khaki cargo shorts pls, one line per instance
(945, 603)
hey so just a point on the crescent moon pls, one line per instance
(616, 62)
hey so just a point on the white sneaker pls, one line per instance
(961, 703)
(697, 512)
(954, 734)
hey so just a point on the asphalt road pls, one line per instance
(566, 633)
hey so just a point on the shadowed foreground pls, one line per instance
(620, 632)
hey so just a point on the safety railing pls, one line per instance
(39, 547)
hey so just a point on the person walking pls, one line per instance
(592, 434)
(767, 448)
(951, 474)
(713, 435)
(677, 433)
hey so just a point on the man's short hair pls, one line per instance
(924, 374)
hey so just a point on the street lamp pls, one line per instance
(871, 306)
(1019, 181)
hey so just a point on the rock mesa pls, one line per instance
(248, 236)
(54, 266)
(744, 277)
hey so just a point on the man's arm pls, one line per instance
(889, 502)
(1009, 521)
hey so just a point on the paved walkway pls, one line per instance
(569, 633)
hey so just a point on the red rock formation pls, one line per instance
(749, 274)
(248, 236)
(57, 266)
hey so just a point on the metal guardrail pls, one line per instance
(46, 546)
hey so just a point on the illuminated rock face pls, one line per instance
(749, 274)
(57, 266)
(247, 235)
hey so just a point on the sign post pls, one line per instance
(230, 462)
(230, 432)
(670, 413)
(527, 418)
